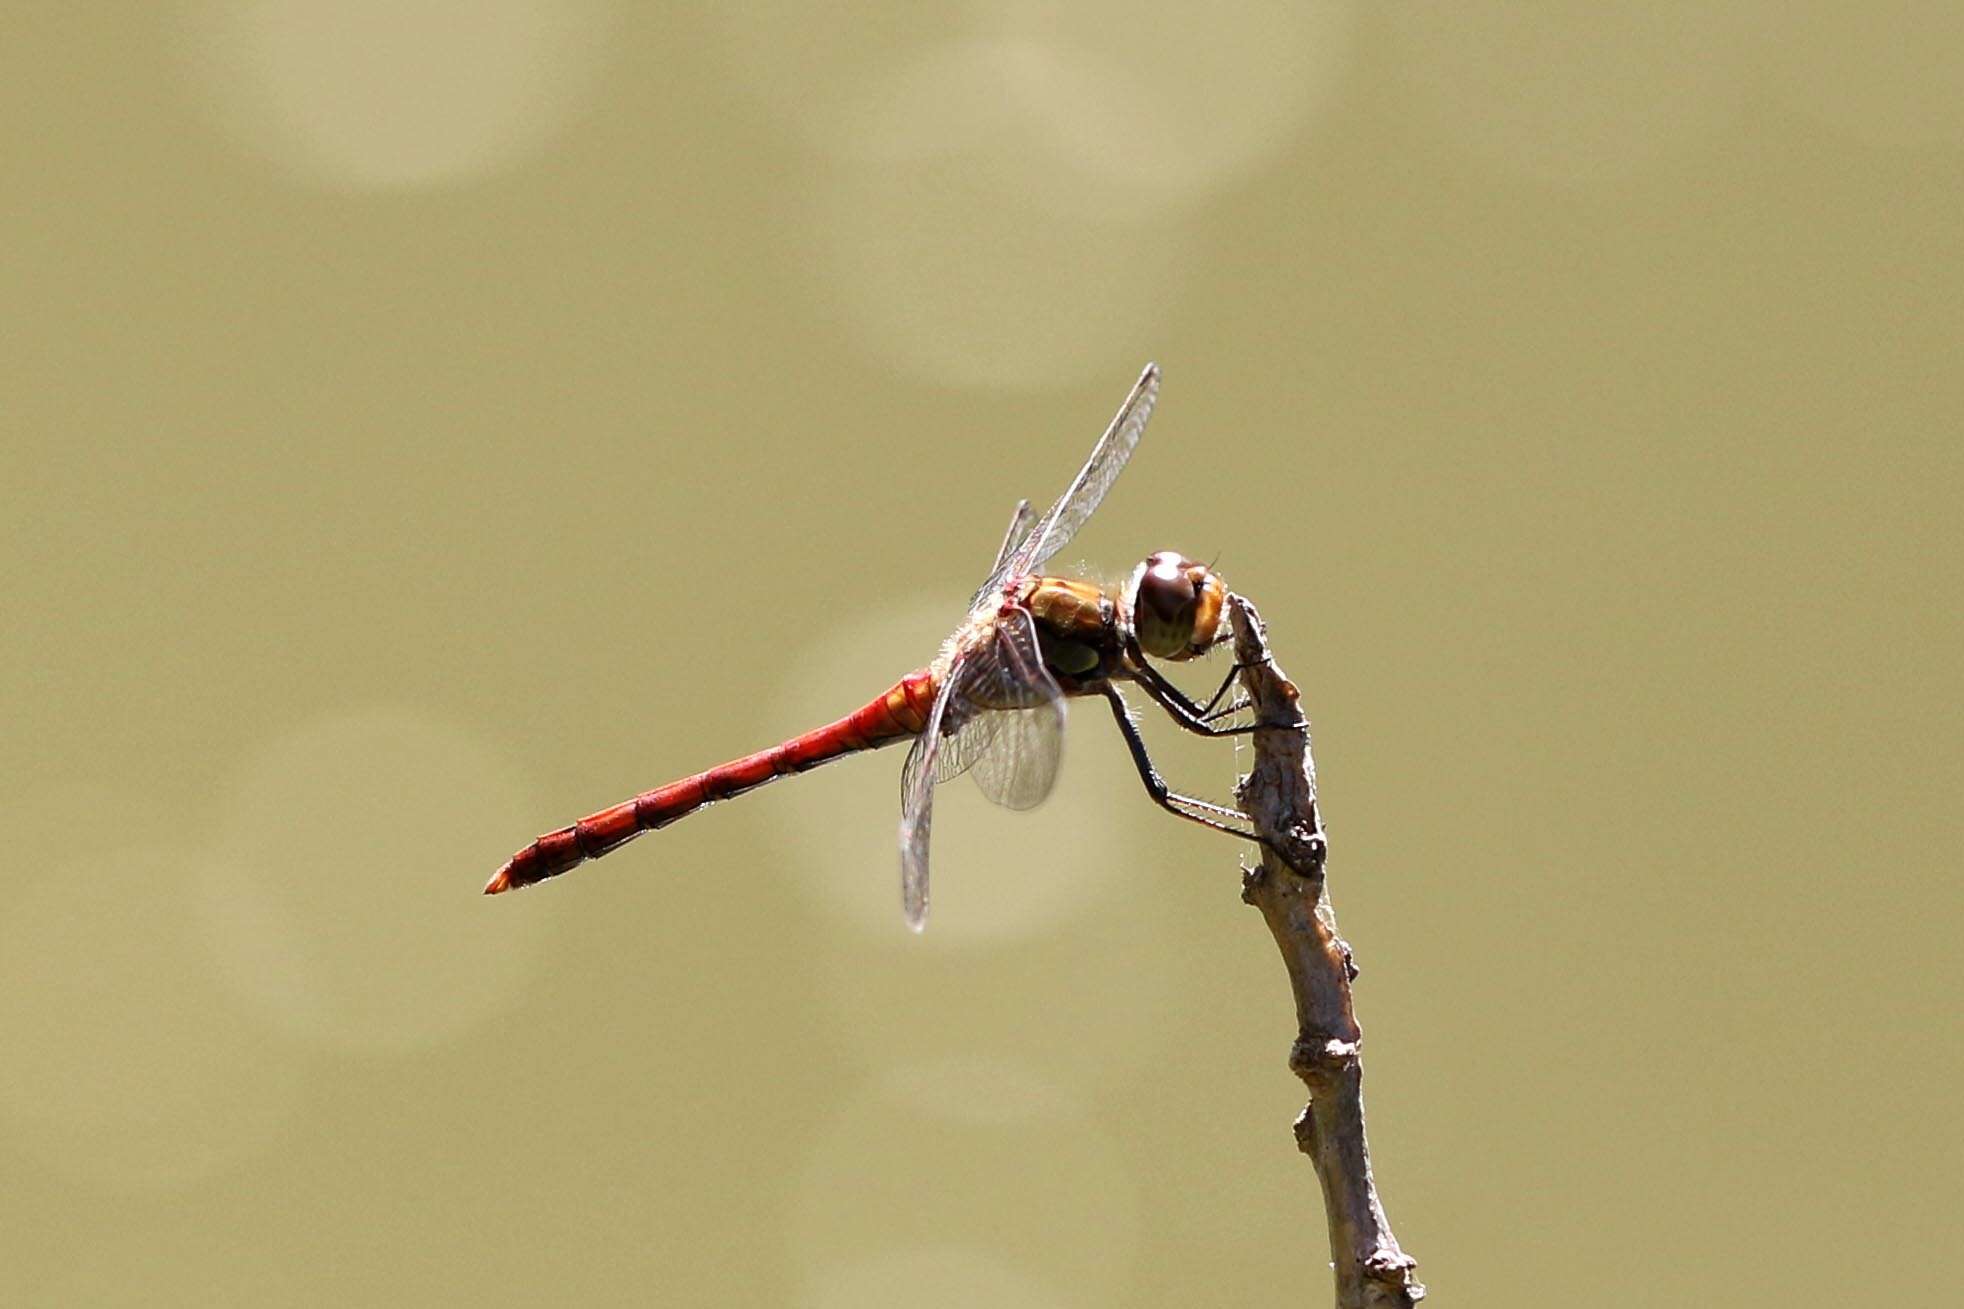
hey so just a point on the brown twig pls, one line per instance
(1288, 887)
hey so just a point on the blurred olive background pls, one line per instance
(425, 423)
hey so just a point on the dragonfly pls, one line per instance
(992, 704)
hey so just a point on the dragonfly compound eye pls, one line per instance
(1165, 603)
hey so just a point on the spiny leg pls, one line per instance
(1209, 713)
(1175, 702)
(1230, 709)
(1207, 710)
(1162, 795)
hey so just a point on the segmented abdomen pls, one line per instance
(899, 713)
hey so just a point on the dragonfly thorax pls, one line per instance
(1174, 606)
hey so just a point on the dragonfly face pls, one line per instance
(1174, 605)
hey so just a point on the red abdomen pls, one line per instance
(899, 713)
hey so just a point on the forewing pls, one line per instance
(1073, 508)
(1024, 718)
(917, 779)
(1020, 523)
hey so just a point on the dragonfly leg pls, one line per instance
(1181, 709)
(1207, 710)
(1204, 812)
(1209, 713)
(1230, 709)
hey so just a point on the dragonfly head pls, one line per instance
(1175, 605)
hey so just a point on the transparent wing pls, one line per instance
(1020, 523)
(1020, 766)
(917, 778)
(1019, 530)
(1022, 713)
(1000, 713)
(965, 744)
(1073, 508)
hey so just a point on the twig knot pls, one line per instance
(1317, 1058)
